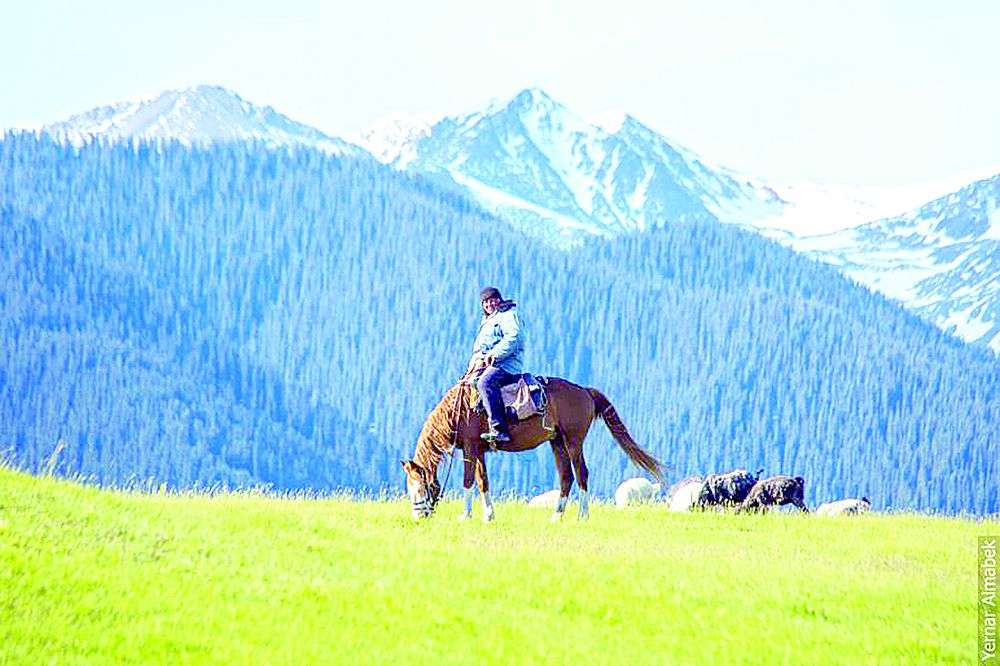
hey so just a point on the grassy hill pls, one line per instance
(95, 576)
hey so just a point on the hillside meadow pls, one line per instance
(97, 576)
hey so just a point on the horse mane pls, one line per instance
(437, 437)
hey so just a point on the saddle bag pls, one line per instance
(524, 398)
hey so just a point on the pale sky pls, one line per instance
(867, 92)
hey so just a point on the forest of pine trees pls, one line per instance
(246, 315)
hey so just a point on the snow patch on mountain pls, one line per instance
(393, 138)
(610, 121)
(816, 209)
(561, 230)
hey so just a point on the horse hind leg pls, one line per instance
(575, 449)
(565, 476)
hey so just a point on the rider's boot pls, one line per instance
(497, 434)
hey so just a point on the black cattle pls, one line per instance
(728, 489)
(776, 491)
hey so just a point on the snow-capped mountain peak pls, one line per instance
(562, 176)
(529, 99)
(198, 115)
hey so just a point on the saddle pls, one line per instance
(522, 398)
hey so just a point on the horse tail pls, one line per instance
(606, 411)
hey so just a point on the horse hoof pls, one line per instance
(488, 518)
(583, 516)
(464, 517)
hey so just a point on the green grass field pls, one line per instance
(94, 576)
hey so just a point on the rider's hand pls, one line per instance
(491, 360)
(475, 363)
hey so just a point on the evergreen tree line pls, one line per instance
(242, 314)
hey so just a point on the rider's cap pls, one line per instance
(489, 292)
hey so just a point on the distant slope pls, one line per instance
(293, 284)
(116, 381)
(942, 259)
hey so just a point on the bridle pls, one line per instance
(424, 506)
(432, 494)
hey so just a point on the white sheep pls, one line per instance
(636, 491)
(684, 495)
(546, 500)
(845, 507)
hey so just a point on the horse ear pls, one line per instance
(412, 469)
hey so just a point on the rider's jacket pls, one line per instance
(502, 335)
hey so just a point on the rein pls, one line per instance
(454, 437)
(451, 459)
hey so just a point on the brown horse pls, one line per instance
(455, 423)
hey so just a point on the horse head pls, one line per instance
(422, 488)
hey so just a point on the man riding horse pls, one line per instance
(497, 356)
(569, 411)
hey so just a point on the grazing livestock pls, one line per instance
(683, 495)
(845, 507)
(545, 500)
(728, 489)
(776, 491)
(636, 491)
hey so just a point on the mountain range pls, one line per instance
(932, 247)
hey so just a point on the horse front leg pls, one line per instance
(468, 490)
(484, 487)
